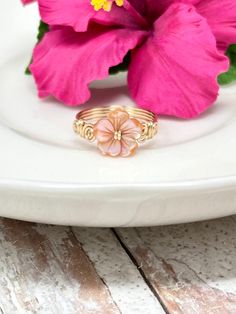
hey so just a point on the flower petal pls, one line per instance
(221, 16)
(103, 130)
(27, 1)
(136, 9)
(140, 6)
(175, 71)
(111, 148)
(128, 148)
(156, 8)
(78, 14)
(118, 117)
(65, 62)
(132, 127)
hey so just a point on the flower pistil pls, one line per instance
(106, 5)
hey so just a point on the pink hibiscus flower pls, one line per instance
(177, 51)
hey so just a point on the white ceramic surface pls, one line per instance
(48, 174)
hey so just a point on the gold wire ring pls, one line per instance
(118, 130)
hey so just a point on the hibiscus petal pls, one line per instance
(175, 71)
(65, 62)
(155, 8)
(221, 16)
(27, 1)
(136, 9)
(111, 148)
(78, 14)
(140, 6)
(104, 130)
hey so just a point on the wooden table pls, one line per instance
(186, 269)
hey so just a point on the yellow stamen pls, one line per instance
(120, 3)
(106, 5)
(118, 135)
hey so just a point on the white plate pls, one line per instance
(48, 174)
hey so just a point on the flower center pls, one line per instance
(117, 135)
(106, 5)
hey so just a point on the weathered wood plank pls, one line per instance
(43, 269)
(126, 285)
(191, 267)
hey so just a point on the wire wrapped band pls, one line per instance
(102, 112)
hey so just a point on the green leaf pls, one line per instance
(230, 76)
(122, 66)
(42, 30)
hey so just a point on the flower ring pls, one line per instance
(117, 130)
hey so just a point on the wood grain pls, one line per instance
(45, 270)
(127, 287)
(191, 267)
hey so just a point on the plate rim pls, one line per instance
(50, 186)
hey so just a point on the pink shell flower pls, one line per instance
(177, 51)
(117, 134)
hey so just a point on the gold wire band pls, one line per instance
(87, 119)
(102, 112)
